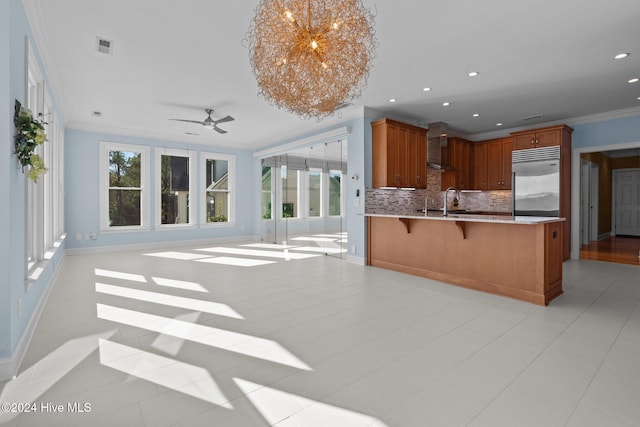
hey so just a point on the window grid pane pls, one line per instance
(174, 181)
(335, 193)
(315, 192)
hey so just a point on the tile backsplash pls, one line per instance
(405, 202)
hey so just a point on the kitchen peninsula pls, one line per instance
(517, 257)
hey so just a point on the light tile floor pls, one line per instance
(237, 335)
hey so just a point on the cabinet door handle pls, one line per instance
(533, 141)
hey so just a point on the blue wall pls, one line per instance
(14, 31)
(616, 131)
(82, 190)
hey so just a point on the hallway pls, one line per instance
(619, 249)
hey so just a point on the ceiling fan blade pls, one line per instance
(224, 119)
(217, 129)
(188, 121)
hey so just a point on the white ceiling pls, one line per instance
(173, 59)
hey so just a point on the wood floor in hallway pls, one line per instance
(620, 249)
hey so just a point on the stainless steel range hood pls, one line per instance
(436, 140)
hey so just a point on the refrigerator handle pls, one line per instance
(513, 195)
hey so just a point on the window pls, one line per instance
(315, 192)
(123, 179)
(335, 193)
(44, 213)
(173, 187)
(267, 195)
(289, 192)
(218, 176)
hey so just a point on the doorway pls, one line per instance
(609, 183)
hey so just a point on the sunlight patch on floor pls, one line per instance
(170, 300)
(182, 256)
(314, 239)
(256, 253)
(276, 406)
(267, 246)
(164, 371)
(48, 371)
(120, 275)
(235, 262)
(327, 250)
(179, 284)
(236, 342)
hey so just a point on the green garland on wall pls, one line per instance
(29, 134)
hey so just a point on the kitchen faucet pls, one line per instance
(455, 199)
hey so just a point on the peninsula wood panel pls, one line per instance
(522, 261)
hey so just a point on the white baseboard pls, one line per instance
(356, 260)
(9, 366)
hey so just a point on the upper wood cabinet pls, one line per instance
(492, 164)
(499, 163)
(480, 164)
(458, 156)
(544, 137)
(399, 153)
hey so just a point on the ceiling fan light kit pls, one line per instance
(311, 56)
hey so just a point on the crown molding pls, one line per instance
(592, 118)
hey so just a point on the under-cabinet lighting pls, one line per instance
(408, 188)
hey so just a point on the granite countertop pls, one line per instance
(503, 219)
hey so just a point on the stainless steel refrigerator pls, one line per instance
(536, 182)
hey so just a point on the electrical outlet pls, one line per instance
(78, 236)
(93, 236)
(353, 249)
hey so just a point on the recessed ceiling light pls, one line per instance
(473, 74)
(634, 80)
(393, 100)
(498, 124)
(621, 55)
(476, 115)
(446, 104)
(426, 89)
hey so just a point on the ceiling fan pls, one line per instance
(209, 123)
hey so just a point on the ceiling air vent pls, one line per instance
(539, 116)
(104, 46)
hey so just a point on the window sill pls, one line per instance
(116, 230)
(37, 268)
(218, 225)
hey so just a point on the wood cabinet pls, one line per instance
(458, 156)
(499, 164)
(492, 164)
(517, 260)
(480, 166)
(545, 137)
(399, 153)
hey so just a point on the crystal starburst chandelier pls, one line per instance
(311, 56)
